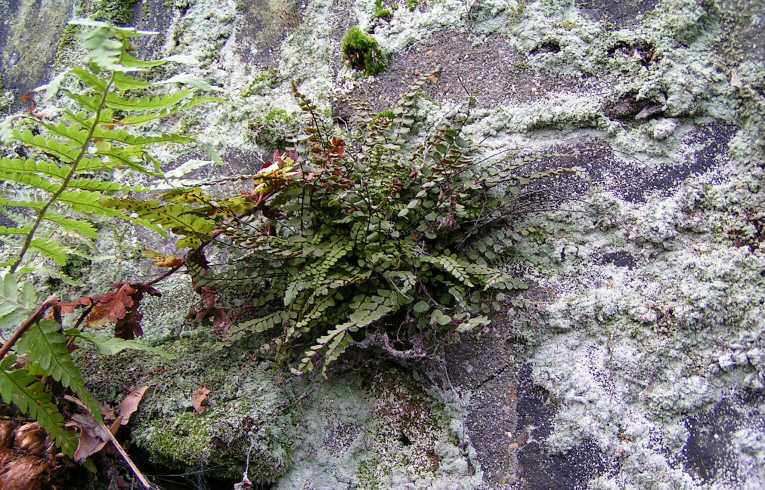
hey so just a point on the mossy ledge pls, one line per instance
(248, 407)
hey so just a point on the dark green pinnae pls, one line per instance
(362, 52)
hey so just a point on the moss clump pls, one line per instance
(388, 114)
(412, 5)
(65, 43)
(362, 52)
(119, 12)
(261, 84)
(247, 406)
(178, 440)
(381, 11)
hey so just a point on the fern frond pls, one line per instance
(125, 82)
(146, 104)
(141, 119)
(63, 151)
(77, 134)
(26, 166)
(138, 140)
(31, 180)
(23, 390)
(262, 324)
(366, 311)
(47, 347)
(10, 203)
(79, 226)
(16, 301)
(8, 230)
(51, 249)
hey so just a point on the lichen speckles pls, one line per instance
(248, 409)
(379, 431)
(646, 301)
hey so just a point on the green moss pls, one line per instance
(119, 12)
(366, 473)
(388, 114)
(176, 441)
(381, 11)
(412, 5)
(261, 84)
(246, 405)
(65, 44)
(362, 52)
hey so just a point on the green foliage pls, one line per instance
(109, 346)
(16, 301)
(71, 160)
(381, 11)
(362, 52)
(47, 347)
(63, 173)
(412, 5)
(20, 388)
(385, 227)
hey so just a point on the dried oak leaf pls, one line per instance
(119, 306)
(198, 398)
(93, 437)
(130, 404)
(113, 306)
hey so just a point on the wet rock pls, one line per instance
(709, 453)
(261, 27)
(538, 467)
(483, 366)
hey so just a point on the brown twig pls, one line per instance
(52, 301)
(127, 459)
(165, 275)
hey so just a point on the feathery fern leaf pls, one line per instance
(90, 140)
(20, 388)
(47, 347)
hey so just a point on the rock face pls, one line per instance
(637, 357)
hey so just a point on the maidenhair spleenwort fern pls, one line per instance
(61, 176)
(377, 234)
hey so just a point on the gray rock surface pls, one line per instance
(635, 360)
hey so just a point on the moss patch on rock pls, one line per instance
(249, 408)
(362, 52)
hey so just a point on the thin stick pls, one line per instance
(127, 459)
(36, 317)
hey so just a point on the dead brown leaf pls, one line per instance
(130, 404)
(198, 398)
(113, 306)
(93, 436)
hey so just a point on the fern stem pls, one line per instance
(67, 179)
(52, 301)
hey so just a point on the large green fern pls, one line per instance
(70, 161)
(62, 177)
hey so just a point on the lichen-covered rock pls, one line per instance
(378, 429)
(247, 414)
(635, 360)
